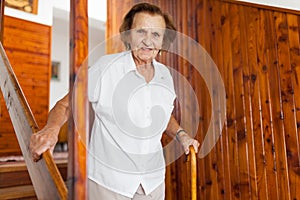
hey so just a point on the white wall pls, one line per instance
(288, 4)
(44, 15)
(96, 8)
(60, 53)
(55, 13)
(60, 50)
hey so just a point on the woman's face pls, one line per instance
(146, 37)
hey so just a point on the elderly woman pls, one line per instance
(132, 95)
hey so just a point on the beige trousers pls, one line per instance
(96, 191)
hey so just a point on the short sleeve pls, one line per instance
(94, 81)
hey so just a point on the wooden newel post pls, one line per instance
(78, 123)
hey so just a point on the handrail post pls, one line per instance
(78, 123)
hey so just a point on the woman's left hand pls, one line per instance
(186, 141)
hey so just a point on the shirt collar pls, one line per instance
(130, 65)
(129, 62)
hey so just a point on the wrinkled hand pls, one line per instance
(186, 141)
(42, 141)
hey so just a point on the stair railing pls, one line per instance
(45, 176)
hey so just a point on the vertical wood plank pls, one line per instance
(276, 113)
(214, 101)
(263, 33)
(268, 74)
(253, 177)
(239, 101)
(294, 45)
(231, 112)
(223, 165)
(287, 94)
(182, 93)
(201, 89)
(78, 126)
(259, 84)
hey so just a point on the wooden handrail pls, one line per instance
(45, 176)
(193, 160)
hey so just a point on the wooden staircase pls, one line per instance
(15, 182)
(46, 176)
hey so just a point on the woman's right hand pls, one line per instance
(47, 137)
(42, 141)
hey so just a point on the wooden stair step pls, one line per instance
(16, 192)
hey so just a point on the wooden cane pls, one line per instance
(193, 160)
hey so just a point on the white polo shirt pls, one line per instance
(131, 115)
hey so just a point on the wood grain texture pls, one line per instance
(193, 177)
(78, 123)
(18, 192)
(16, 173)
(28, 47)
(257, 53)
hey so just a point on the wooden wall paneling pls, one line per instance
(270, 80)
(294, 36)
(9, 144)
(193, 116)
(239, 104)
(192, 76)
(276, 142)
(260, 102)
(111, 23)
(206, 172)
(200, 88)
(23, 35)
(201, 91)
(171, 172)
(28, 50)
(27, 45)
(172, 62)
(259, 94)
(212, 102)
(288, 104)
(177, 114)
(223, 166)
(230, 110)
(267, 160)
(182, 93)
(253, 176)
(279, 24)
(263, 6)
(249, 161)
